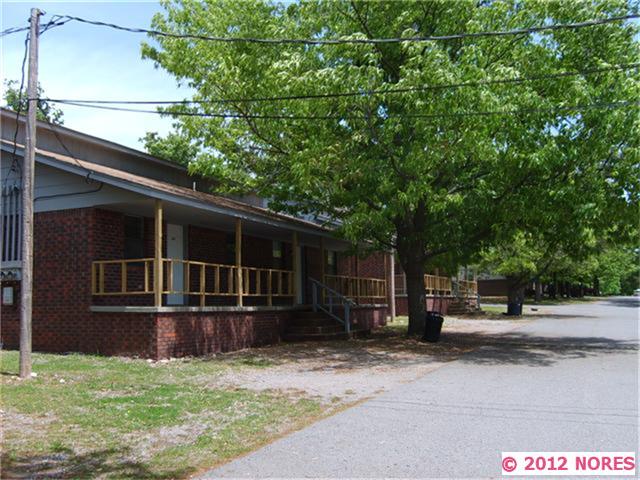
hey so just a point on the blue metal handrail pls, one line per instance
(320, 291)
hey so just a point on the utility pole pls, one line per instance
(28, 167)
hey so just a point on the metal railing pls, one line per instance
(329, 301)
(357, 288)
(188, 277)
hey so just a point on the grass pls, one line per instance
(543, 301)
(121, 418)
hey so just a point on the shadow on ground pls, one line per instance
(537, 351)
(392, 348)
(112, 463)
(629, 302)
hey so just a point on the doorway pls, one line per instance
(175, 250)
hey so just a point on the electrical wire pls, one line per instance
(343, 41)
(90, 172)
(56, 21)
(611, 105)
(54, 129)
(15, 165)
(9, 31)
(362, 93)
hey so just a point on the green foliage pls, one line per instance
(436, 189)
(15, 101)
(173, 147)
(618, 270)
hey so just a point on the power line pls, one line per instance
(54, 129)
(342, 41)
(9, 31)
(610, 105)
(56, 21)
(361, 93)
(15, 165)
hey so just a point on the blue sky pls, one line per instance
(84, 61)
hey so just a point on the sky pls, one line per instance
(84, 61)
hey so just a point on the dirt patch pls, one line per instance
(14, 422)
(347, 371)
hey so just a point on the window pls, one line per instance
(277, 249)
(133, 237)
(230, 248)
(11, 225)
(332, 262)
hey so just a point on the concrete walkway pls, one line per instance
(566, 383)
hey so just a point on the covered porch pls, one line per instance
(215, 261)
(219, 282)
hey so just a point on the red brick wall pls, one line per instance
(437, 304)
(65, 244)
(182, 334)
(493, 288)
(61, 284)
(9, 325)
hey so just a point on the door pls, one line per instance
(175, 249)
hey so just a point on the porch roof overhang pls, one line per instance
(176, 194)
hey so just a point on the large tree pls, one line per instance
(414, 170)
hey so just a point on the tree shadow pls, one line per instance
(629, 302)
(538, 351)
(393, 349)
(65, 463)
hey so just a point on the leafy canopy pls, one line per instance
(417, 171)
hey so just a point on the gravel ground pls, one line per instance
(348, 371)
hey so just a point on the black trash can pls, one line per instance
(432, 326)
(514, 308)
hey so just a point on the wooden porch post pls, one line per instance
(357, 278)
(296, 266)
(323, 262)
(392, 286)
(239, 261)
(157, 263)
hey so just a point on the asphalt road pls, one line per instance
(564, 383)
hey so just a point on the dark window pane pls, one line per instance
(133, 237)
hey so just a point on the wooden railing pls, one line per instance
(436, 285)
(120, 273)
(357, 288)
(433, 284)
(468, 287)
(115, 277)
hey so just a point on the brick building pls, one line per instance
(134, 257)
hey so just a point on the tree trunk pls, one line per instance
(538, 290)
(554, 291)
(515, 296)
(414, 272)
(596, 286)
